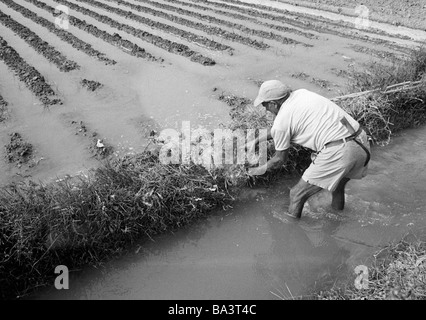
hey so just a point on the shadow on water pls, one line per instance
(303, 254)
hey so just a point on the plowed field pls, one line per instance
(79, 87)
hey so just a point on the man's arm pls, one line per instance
(279, 158)
(252, 144)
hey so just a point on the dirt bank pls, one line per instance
(409, 13)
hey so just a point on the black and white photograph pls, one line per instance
(212, 155)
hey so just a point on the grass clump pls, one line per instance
(398, 272)
(244, 116)
(383, 112)
(82, 220)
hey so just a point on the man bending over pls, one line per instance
(341, 149)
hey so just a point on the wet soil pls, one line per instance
(210, 19)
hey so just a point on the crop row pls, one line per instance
(61, 33)
(27, 74)
(42, 47)
(126, 45)
(298, 20)
(340, 24)
(189, 36)
(377, 53)
(237, 16)
(210, 19)
(199, 26)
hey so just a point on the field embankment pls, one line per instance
(406, 13)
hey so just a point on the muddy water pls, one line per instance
(249, 253)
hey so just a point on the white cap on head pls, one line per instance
(271, 90)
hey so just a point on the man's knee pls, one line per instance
(303, 190)
(341, 186)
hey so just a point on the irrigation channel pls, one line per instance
(248, 253)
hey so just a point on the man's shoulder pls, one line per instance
(301, 95)
(307, 93)
(302, 91)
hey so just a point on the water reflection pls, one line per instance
(303, 253)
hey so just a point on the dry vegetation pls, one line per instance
(397, 272)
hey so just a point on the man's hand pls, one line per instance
(277, 161)
(256, 171)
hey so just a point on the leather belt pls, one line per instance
(337, 142)
(351, 137)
